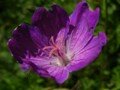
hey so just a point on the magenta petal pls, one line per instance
(77, 65)
(44, 68)
(40, 65)
(89, 53)
(79, 37)
(40, 62)
(92, 17)
(24, 66)
(81, 43)
(14, 48)
(61, 37)
(42, 72)
(21, 43)
(50, 22)
(81, 12)
(37, 37)
(60, 74)
(78, 12)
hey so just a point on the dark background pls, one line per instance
(103, 74)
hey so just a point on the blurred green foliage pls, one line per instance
(103, 74)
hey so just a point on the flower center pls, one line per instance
(55, 51)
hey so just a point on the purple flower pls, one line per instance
(55, 45)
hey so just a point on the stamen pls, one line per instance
(53, 47)
(54, 50)
(52, 41)
(47, 47)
